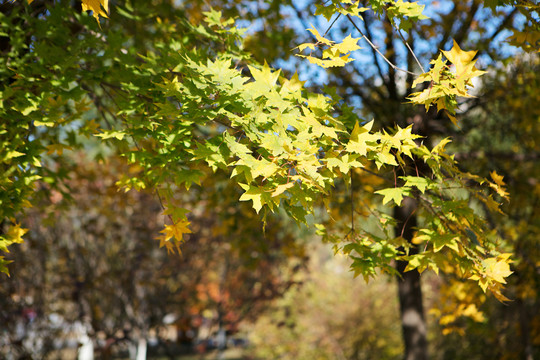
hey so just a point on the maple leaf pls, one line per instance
(462, 60)
(177, 213)
(112, 134)
(352, 9)
(56, 148)
(304, 46)
(292, 85)
(173, 236)
(401, 9)
(499, 185)
(349, 44)
(98, 8)
(318, 36)
(15, 234)
(360, 137)
(385, 157)
(3, 265)
(280, 189)
(419, 182)
(496, 290)
(254, 194)
(448, 240)
(498, 268)
(418, 261)
(395, 194)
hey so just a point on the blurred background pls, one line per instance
(91, 282)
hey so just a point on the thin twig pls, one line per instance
(332, 24)
(406, 221)
(377, 50)
(374, 54)
(408, 47)
(161, 203)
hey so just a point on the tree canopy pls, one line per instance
(176, 110)
(183, 97)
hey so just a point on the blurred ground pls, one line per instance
(229, 354)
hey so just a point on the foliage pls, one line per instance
(528, 36)
(508, 331)
(185, 103)
(445, 86)
(175, 109)
(93, 260)
(481, 145)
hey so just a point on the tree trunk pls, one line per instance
(409, 290)
(525, 317)
(141, 348)
(86, 346)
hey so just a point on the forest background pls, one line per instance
(90, 107)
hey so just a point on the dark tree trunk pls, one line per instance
(409, 290)
(525, 317)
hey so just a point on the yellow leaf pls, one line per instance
(499, 184)
(472, 312)
(173, 235)
(292, 85)
(447, 319)
(505, 256)
(463, 61)
(349, 44)
(483, 283)
(254, 194)
(496, 290)
(459, 57)
(452, 118)
(57, 148)
(497, 178)
(15, 234)
(98, 7)
(304, 46)
(318, 36)
(280, 189)
(497, 269)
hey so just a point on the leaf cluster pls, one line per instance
(193, 101)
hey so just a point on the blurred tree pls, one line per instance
(383, 91)
(174, 99)
(93, 260)
(332, 316)
(506, 113)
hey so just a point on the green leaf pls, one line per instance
(112, 134)
(419, 182)
(280, 189)
(188, 177)
(394, 194)
(255, 194)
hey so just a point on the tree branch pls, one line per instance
(374, 53)
(377, 50)
(409, 48)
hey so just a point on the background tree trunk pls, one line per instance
(409, 289)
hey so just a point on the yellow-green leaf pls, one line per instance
(98, 7)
